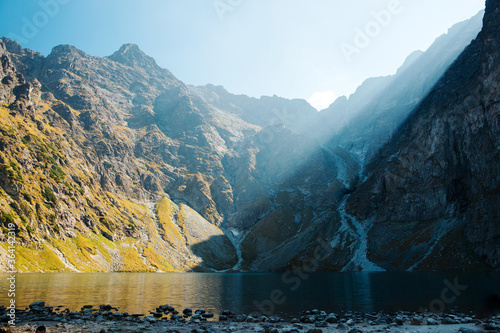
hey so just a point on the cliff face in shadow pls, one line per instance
(440, 172)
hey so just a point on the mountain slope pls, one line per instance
(382, 104)
(80, 183)
(440, 172)
(114, 138)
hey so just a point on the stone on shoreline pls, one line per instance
(468, 330)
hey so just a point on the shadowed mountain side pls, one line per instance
(213, 254)
(208, 242)
(430, 244)
(319, 176)
(275, 161)
(442, 164)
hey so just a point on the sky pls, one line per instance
(317, 50)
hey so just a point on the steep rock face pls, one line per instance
(441, 169)
(112, 136)
(275, 160)
(130, 108)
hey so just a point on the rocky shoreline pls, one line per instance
(165, 318)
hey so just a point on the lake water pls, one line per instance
(248, 293)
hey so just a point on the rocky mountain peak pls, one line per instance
(64, 49)
(130, 50)
(10, 45)
(131, 55)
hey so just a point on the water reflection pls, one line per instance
(141, 292)
(362, 293)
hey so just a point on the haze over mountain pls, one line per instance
(365, 121)
(113, 164)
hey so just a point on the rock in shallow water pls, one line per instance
(37, 306)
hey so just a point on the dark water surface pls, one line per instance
(247, 293)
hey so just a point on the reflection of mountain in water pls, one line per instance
(242, 292)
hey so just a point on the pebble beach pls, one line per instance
(106, 318)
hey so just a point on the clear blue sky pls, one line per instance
(291, 48)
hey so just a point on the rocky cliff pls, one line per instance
(429, 199)
(437, 182)
(117, 151)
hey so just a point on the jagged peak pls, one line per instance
(11, 45)
(130, 49)
(410, 60)
(217, 88)
(65, 49)
(131, 55)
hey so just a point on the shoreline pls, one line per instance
(165, 318)
(215, 327)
